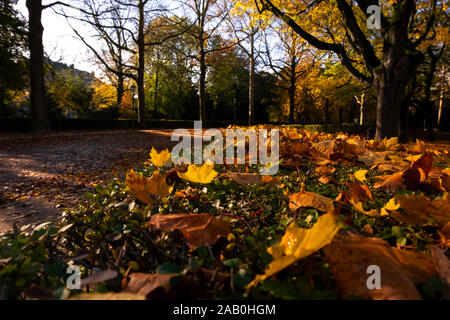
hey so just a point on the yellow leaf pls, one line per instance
(146, 189)
(161, 159)
(359, 207)
(298, 243)
(392, 205)
(196, 174)
(361, 175)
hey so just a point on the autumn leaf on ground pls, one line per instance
(360, 175)
(298, 243)
(245, 179)
(162, 159)
(391, 205)
(272, 181)
(423, 211)
(147, 189)
(310, 199)
(199, 229)
(390, 183)
(325, 170)
(359, 192)
(350, 256)
(442, 264)
(143, 283)
(199, 174)
(444, 233)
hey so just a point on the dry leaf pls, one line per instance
(390, 183)
(147, 189)
(144, 283)
(100, 276)
(421, 210)
(442, 264)
(350, 256)
(245, 179)
(360, 175)
(359, 192)
(310, 199)
(324, 170)
(298, 243)
(199, 229)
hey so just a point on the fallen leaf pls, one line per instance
(350, 256)
(298, 243)
(146, 189)
(199, 174)
(324, 179)
(310, 199)
(442, 264)
(199, 229)
(143, 283)
(359, 192)
(100, 276)
(272, 181)
(391, 205)
(359, 207)
(360, 175)
(162, 159)
(420, 210)
(245, 179)
(324, 170)
(444, 233)
(390, 183)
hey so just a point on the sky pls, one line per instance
(60, 41)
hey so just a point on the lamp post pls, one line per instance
(133, 91)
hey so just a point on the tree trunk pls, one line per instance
(202, 84)
(39, 110)
(441, 103)
(120, 89)
(142, 112)
(291, 91)
(326, 112)
(251, 86)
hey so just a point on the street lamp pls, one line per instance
(133, 91)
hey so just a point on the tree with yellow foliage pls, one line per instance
(384, 58)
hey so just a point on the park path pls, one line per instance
(41, 174)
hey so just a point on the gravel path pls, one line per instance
(41, 174)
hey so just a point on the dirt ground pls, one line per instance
(42, 174)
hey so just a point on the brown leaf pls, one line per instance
(425, 162)
(324, 170)
(245, 179)
(199, 229)
(442, 264)
(444, 233)
(144, 283)
(310, 199)
(421, 210)
(271, 181)
(412, 177)
(35, 292)
(359, 193)
(212, 276)
(100, 276)
(350, 255)
(324, 179)
(390, 183)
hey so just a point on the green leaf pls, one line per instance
(168, 268)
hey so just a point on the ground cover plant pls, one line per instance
(338, 204)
